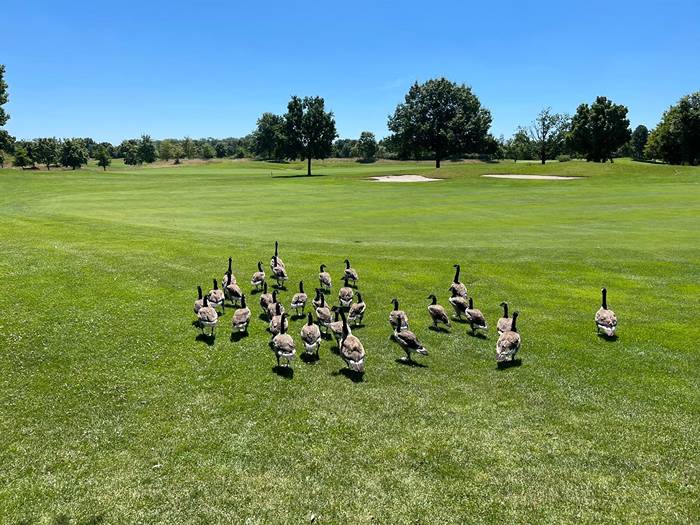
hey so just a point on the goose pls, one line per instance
(216, 297)
(508, 342)
(324, 278)
(459, 303)
(351, 349)
(275, 260)
(437, 312)
(336, 327)
(311, 336)
(241, 317)
(258, 278)
(265, 299)
(323, 313)
(345, 295)
(231, 290)
(279, 273)
(408, 341)
(229, 272)
(272, 307)
(605, 319)
(455, 285)
(207, 316)
(198, 303)
(350, 273)
(397, 315)
(317, 300)
(476, 319)
(299, 299)
(503, 324)
(357, 310)
(283, 344)
(277, 319)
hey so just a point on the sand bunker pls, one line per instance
(530, 177)
(402, 178)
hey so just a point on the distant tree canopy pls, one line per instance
(548, 133)
(4, 97)
(440, 118)
(309, 130)
(22, 158)
(638, 142)
(207, 151)
(268, 138)
(73, 153)
(520, 147)
(46, 151)
(599, 130)
(103, 157)
(676, 139)
(367, 146)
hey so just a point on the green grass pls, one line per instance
(111, 410)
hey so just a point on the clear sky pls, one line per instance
(113, 70)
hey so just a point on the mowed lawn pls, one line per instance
(113, 411)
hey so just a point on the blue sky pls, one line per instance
(112, 70)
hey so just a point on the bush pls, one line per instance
(563, 158)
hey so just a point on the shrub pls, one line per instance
(563, 158)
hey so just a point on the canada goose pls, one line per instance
(508, 342)
(241, 317)
(231, 290)
(216, 297)
(503, 324)
(351, 349)
(265, 299)
(283, 344)
(229, 272)
(459, 303)
(457, 286)
(350, 273)
(311, 336)
(317, 299)
(323, 313)
(272, 307)
(324, 278)
(605, 319)
(408, 341)
(397, 315)
(336, 327)
(277, 319)
(357, 310)
(276, 260)
(198, 303)
(476, 319)
(258, 278)
(207, 316)
(279, 273)
(345, 295)
(437, 312)
(299, 299)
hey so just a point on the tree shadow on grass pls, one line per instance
(287, 372)
(406, 362)
(505, 365)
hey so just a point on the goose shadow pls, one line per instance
(505, 365)
(310, 359)
(237, 336)
(206, 339)
(297, 317)
(439, 329)
(279, 287)
(255, 291)
(459, 320)
(477, 335)
(263, 317)
(355, 377)
(607, 338)
(406, 362)
(287, 372)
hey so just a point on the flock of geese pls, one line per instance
(339, 320)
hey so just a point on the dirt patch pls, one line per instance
(402, 178)
(529, 177)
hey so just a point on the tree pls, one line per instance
(177, 152)
(439, 118)
(220, 148)
(131, 154)
(189, 149)
(309, 130)
(46, 151)
(676, 139)
(73, 153)
(22, 159)
(519, 147)
(207, 151)
(6, 140)
(268, 137)
(599, 129)
(640, 135)
(547, 132)
(344, 148)
(103, 157)
(147, 150)
(367, 146)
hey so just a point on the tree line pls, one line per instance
(438, 119)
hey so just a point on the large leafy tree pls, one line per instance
(6, 140)
(599, 129)
(639, 139)
(676, 139)
(547, 133)
(22, 158)
(367, 146)
(309, 130)
(103, 157)
(73, 153)
(519, 147)
(268, 137)
(46, 151)
(147, 149)
(439, 118)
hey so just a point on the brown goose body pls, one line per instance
(357, 310)
(323, 313)
(345, 295)
(437, 312)
(504, 323)
(258, 277)
(311, 336)
(508, 342)
(199, 301)
(274, 307)
(397, 316)
(476, 319)
(300, 298)
(456, 287)
(241, 317)
(207, 316)
(350, 273)
(229, 272)
(351, 349)
(409, 342)
(232, 291)
(283, 345)
(324, 278)
(216, 296)
(605, 319)
(276, 260)
(460, 304)
(265, 299)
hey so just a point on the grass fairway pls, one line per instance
(111, 410)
